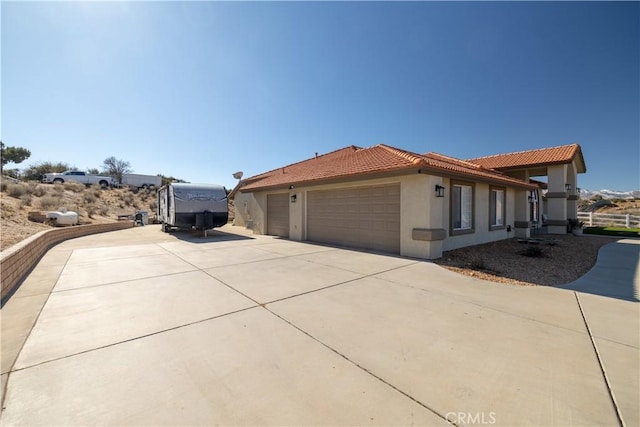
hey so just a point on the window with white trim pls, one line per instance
(461, 208)
(497, 208)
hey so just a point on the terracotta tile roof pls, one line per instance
(357, 162)
(462, 168)
(533, 158)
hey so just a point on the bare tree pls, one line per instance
(116, 168)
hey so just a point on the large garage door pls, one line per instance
(361, 217)
(278, 214)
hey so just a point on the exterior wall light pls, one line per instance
(439, 191)
(567, 187)
(294, 197)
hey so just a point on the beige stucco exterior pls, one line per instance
(424, 218)
(561, 203)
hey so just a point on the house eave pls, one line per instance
(474, 178)
(334, 180)
(388, 174)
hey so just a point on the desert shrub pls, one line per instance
(76, 187)
(153, 205)
(104, 210)
(50, 202)
(58, 188)
(96, 190)
(13, 173)
(478, 264)
(18, 190)
(35, 171)
(532, 252)
(91, 210)
(128, 199)
(26, 200)
(88, 197)
(36, 189)
(3, 186)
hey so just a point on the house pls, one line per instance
(418, 205)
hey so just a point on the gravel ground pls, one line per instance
(561, 259)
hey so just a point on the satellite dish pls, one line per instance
(238, 175)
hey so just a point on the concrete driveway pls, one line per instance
(137, 327)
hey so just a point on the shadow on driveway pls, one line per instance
(211, 236)
(616, 273)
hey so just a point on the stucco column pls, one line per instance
(522, 223)
(557, 199)
(522, 220)
(296, 214)
(572, 195)
(421, 217)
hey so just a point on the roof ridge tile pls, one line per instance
(513, 153)
(414, 158)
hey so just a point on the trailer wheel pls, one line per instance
(145, 186)
(103, 184)
(165, 227)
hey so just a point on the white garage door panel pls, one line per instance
(362, 217)
(278, 214)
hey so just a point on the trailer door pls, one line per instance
(171, 205)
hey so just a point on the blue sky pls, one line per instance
(199, 90)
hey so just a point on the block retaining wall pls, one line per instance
(19, 259)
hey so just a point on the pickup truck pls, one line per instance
(79, 176)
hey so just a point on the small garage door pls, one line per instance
(278, 214)
(360, 217)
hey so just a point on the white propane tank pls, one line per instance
(63, 217)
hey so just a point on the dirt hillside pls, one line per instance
(93, 204)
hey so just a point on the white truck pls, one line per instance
(141, 181)
(78, 176)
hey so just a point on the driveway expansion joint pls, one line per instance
(369, 372)
(602, 369)
(483, 306)
(13, 363)
(113, 344)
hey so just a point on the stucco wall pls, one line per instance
(424, 218)
(482, 232)
(250, 211)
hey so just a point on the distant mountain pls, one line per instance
(610, 194)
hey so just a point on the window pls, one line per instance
(497, 208)
(461, 208)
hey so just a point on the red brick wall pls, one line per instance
(19, 259)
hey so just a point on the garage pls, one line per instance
(359, 217)
(278, 214)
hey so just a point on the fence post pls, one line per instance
(590, 219)
(628, 221)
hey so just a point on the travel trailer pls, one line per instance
(192, 206)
